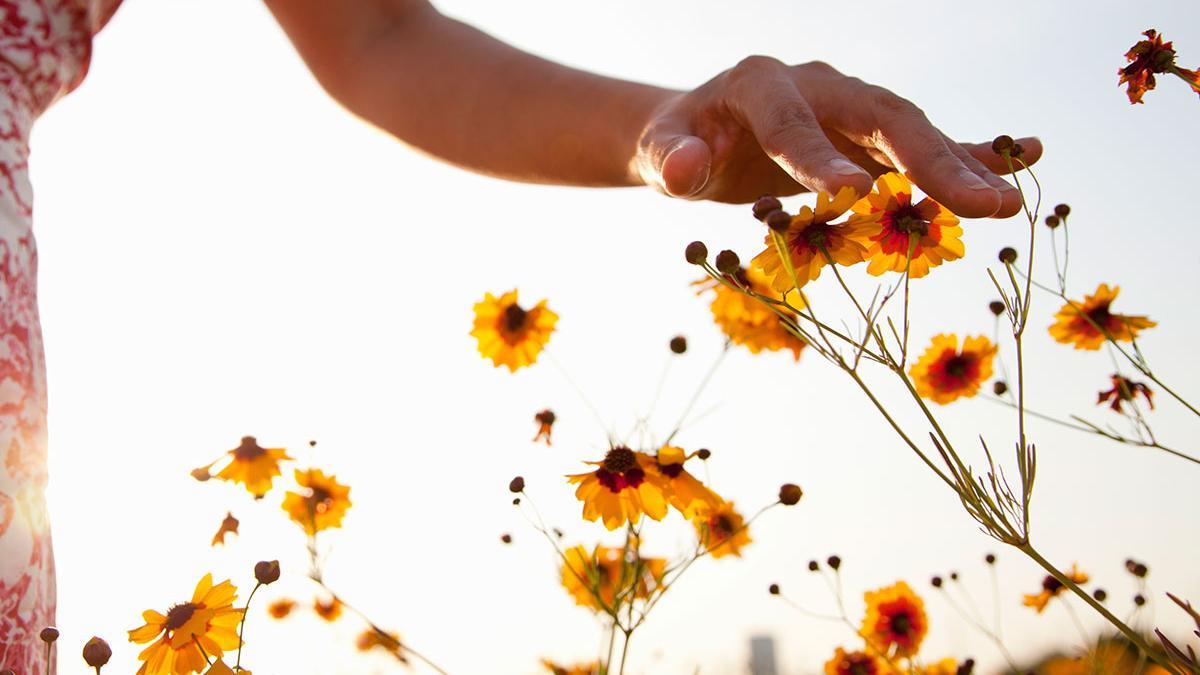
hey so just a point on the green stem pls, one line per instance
(237, 667)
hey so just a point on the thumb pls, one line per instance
(679, 164)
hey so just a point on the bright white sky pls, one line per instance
(225, 251)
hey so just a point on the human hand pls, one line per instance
(766, 127)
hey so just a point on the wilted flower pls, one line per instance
(1124, 390)
(1147, 58)
(545, 421)
(229, 525)
(1089, 323)
(931, 231)
(208, 621)
(1052, 587)
(896, 619)
(510, 335)
(944, 373)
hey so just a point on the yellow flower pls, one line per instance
(321, 503)
(510, 335)
(810, 236)
(895, 618)
(1052, 587)
(931, 230)
(683, 490)
(721, 529)
(208, 621)
(854, 663)
(577, 669)
(372, 639)
(624, 485)
(747, 321)
(607, 571)
(944, 374)
(1085, 323)
(281, 608)
(330, 610)
(946, 666)
(253, 466)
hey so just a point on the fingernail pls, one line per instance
(844, 168)
(972, 181)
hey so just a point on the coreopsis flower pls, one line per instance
(321, 502)
(1052, 587)
(576, 669)
(1087, 324)
(330, 610)
(253, 466)
(1124, 390)
(1147, 58)
(721, 529)
(624, 485)
(854, 663)
(208, 621)
(811, 235)
(683, 490)
(594, 579)
(928, 228)
(747, 321)
(219, 667)
(945, 373)
(946, 666)
(372, 639)
(545, 421)
(895, 619)
(281, 608)
(510, 335)
(229, 525)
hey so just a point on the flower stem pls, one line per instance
(237, 667)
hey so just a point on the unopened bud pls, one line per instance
(1017, 150)
(49, 635)
(201, 474)
(790, 494)
(728, 263)
(1052, 221)
(773, 589)
(1139, 599)
(704, 453)
(1062, 210)
(266, 572)
(96, 652)
(696, 252)
(1100, 594)
(779, 221)
(1002, 144)
(516, 485)
(506, 538)
(834, 562)
(996, 307)
(1000, 388)
(990, 558)
(936, 582)
(1008, 255)
(678, 344)
(765, 205)
(813, 566)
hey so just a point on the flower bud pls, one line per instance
(999, 388)
(728, 263)
(990, 558)
(1062, 210)
(516, 501)
(936, 582)
(773, 589)
(96, 652)
(954, 576)
(1002, 144)
(696, 252)
(678, 344)
(834, 562)
(996, 307)
(765, 205)
(813, 566)
(1100, 594)
(1017, 150)
(1008, 255)
(790, 494)
(704, 453)
(506, 538)
(779, 221)
(1052, 221)
(49, 635)
(266, 572)
(516, 485)
(201, 474)
(1139, 599)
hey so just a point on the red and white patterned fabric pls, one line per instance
(45, 46)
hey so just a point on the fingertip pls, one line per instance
(686, 167)
(973, 197)
(840, 173)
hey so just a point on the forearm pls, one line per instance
(466, 98)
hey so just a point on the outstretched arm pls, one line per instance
(759, 127)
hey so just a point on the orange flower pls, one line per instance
(608, 571)
(625, 485)
(944, 374)
(811, 236)
(721, 529)
(896, 619)
(389, 642)
(927, 227)
(683, 491)
(281, 608)
(577, 669)
(747, 321)
(330, 610)
(510, 335)
(1148, 57)
(228, 526)
(1124, 390)
(946, 666)
(207, 625)
(854, 663)
(1089, 323)
(320, 504)
(1052, 587)
(253, 466)
(545, 420)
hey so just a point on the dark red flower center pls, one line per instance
(514, 318)
(179, 615)
(249, 449)
(954, 371)
(721, 526)
(901, 623)
(620, 470)
(1051, 585)
(319, 500)
(904, 221)
(813, 238)
(671, 470)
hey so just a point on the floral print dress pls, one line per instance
(45, 46)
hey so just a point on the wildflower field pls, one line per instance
(890, 439)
